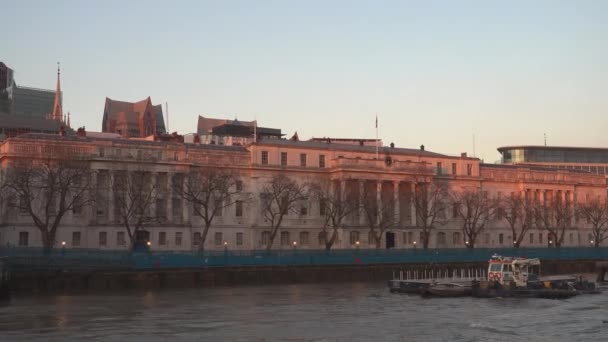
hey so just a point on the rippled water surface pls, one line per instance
(327, 312)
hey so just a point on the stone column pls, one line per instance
(343, 198)
(396, 202)
(379, 200)
(111, 196)
(94, 195)
(541, 197)
(169, 197)
(361, 212)
(185, 204)
(413, 203)
(154, 183)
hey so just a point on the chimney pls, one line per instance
(81, 132)
(392, 145)
(463, 155)
(421, 147)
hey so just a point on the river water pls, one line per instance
(320, 312)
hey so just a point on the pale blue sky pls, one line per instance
(435, 71)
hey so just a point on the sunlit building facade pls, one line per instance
(391, 173)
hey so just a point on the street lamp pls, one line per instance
(149, 243)
(357, 243)
(414, 244)
(591, 242)
(226, 246)
(63, 243)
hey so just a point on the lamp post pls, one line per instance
(591, 242)
(414, 244)
(62, 247)
(357, 244)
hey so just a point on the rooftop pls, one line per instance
(541, 147)
(352, 148)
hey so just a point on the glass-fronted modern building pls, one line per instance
(590, 159)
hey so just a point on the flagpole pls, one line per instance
(377, 137)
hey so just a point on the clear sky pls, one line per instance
(435, 72)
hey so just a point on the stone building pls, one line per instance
(392, 178)
(133, 119)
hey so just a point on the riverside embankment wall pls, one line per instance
(73, 282)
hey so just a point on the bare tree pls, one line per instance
(336, 204)
(430, 200)
(596, 213)
(279, 197)
(519, 213)
(47, 189)
(379, 214)
(475, 210)
(555, 217)
(210, 190)
(135, 193)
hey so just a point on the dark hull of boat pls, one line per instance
(448, 292)
(524, 293)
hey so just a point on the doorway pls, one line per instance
(390, 240)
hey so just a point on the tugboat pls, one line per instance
(520, 277)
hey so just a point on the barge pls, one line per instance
(506, 277)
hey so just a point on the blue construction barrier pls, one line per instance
(34, 259)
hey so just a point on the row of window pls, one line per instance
(140, 154)
(599, 170)
(303, 159)
(303, 238)
(441, 171)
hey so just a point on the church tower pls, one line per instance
(57, 110)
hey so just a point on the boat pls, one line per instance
(520, 277)
(449, 290)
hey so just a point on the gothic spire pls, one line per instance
(69, 120)
(57, 110)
